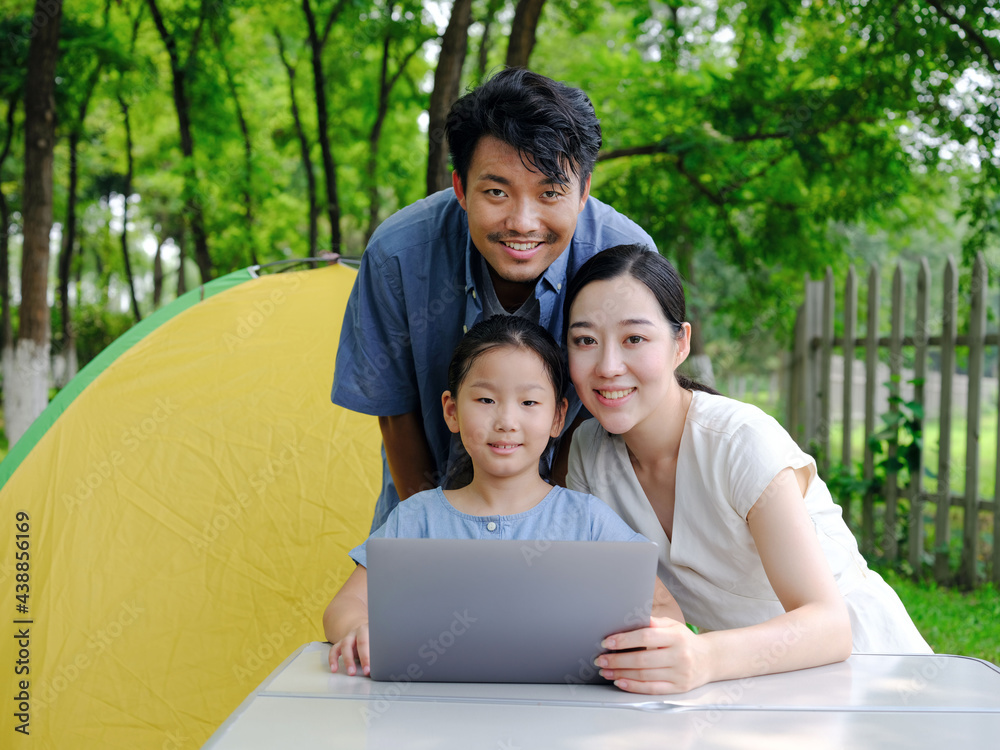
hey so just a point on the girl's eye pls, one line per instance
(484, 400)
(529, 403)
(634, 339)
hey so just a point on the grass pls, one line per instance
(953, 622)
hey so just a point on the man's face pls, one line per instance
(519, 220)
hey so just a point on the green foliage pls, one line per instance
(95, 328)
(899, 444)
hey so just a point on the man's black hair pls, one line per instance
(553, 126)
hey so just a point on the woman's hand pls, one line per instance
(352, 646)
(671, 658)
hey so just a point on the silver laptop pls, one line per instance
(468, 610)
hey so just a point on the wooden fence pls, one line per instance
(809, 411)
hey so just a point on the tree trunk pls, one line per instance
(28, 389)
(484, 42)
(158, 274)
(373, 137)
(698, 364)
(447, 81)
(65, 365)
(316, 43)
(182, 103)
(181, 254)
(64, 358)
(6, 331)
(130, 161)
(303, 147)
(386, 85)
(522, 32)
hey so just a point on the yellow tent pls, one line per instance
(178, 518)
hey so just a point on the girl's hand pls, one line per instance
(672, 659)
(353, 645)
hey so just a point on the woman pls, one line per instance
(752, 545)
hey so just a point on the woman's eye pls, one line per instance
(585, 341)
(634, 339)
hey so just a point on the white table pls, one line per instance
(868, 701)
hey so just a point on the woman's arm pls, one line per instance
(345, 623)
(815, 628)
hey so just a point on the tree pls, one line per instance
(181, 72)
(13, 58)
(317, 41)
(303, 145)
(387, 82)
(447, 82)
(27, 391)
(522, 32)
(246, 188)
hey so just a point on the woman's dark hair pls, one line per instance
(507, 330)
(650, 269)
(553, 126)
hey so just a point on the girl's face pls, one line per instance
(623, 353)
(505, 410)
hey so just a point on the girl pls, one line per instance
(505, 400)
(751, 543)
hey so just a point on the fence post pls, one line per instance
(871, 370)
(920, 336)
(889, 545)
(811, 386)
(825, 376)
(796, 426)
(850, 332)
(949, 325)
(977, 331)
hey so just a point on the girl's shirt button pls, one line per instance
(491, 526)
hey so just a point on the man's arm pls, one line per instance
(408, 453)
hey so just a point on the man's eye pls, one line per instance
(495, 193)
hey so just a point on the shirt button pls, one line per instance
(491, 526)
(473, 294)
(465, 329)
(558, 287)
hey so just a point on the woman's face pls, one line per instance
(623, 352)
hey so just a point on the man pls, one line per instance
(516, 226)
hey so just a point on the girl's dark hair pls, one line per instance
(507, 330)
(553, 126)
(647, 267)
